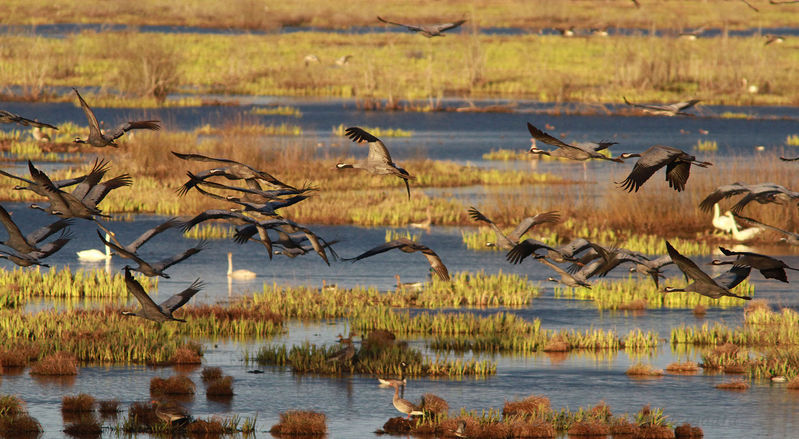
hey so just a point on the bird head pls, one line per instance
(78, 140)
(627, 155)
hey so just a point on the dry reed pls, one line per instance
(174, 385)
(733, 385)
(793, 384)
(85, 426)
(434, 404)
(210, 374)
(59, 363)
(300, 422)
(589, 428)
(686, 367)
(640, 369)
(532, 406)
(686, 431)
(108, 407)
(221, 387)
(78, 403)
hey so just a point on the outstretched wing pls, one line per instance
(532, 221)
(377, 150)
(411, 27)
(502, 240)
(94, 126)
(180, 299)
(135, 288)
(688, 266)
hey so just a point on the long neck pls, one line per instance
(733, 225)
(716, 211)
(229, 263)
(107, 248)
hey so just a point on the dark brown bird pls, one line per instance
(149, 309)
(96, 136)
(702, 283)
(770, 268)
(27, 244)
(378, 161)
(408, 246)
(8, 117)
(677, 162)
(428, 30)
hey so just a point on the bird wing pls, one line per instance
(688, 267)
(651, 160)
(135, 288)
(94, 126)
(435, 263)
(168, 262)
(8, 117)
(15, 238)
(98, 192)
(314, 240)
(677, 173)
(381, 248)
(531, 221)
(377, 150)
(54, 246)
(754, 221)
(31, 182)
(210, 214)
(730, 279)
(447, 26)
(243, 234)
(180, 299)
(557, 269)
(121, 251)
(680, 106)
(203, 158)
(525, 249)
(501, 238)
(548, 139)
(144, 237)
(97, 173)
(134, 125)
(412, 27)
(722, 192)
(763, 195)
(42, 233)
(56, 196)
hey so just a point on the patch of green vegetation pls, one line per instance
(706, 145)
(277, 111)
(792, 140)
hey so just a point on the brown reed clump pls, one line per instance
(174, 385)
(300, 422)
(20, 356)
(86, 426)
(686, 431)
(527, 428)
(495, 430)
(379, 339)
(22, 425)
(700, 310)
(398, 425)
(686, 367)
(620, 427)
(793, 384)
(532, 406)
(211, 426)
(447, 427)
(11, 405)
(185, 355)
(589, 427)
(738, 384)
(654, 432)
(434, 404)
(756, 305)
(210, 374)
(141, 417)
(220, 387)
(640, 369)
(634, 305)
(59, 363)
(735, 368)
(108, 407)
(78, 403)
(557, 344)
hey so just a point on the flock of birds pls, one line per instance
(258, 201)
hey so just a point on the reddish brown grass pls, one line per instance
(85, 426)
(174, 385)
(220, 387)
(700, 310)
(434, 404)
(206, 426)
(108, 407)
(756, 305)
(20, 356)
(654, 432)
(589, 428)
(735, 368)
(142, 414)
(185, 355)
(686, 367)
(557, 344)
(635, 305)
(78, 403)
(398, 425)
(533, 406)
(300, 422)
(601, 411)
(640, 369)
(793, 384)
(686, 431)
(495, 430)
(21, 425)
(210, 374)
(59, 363)
(733, 385)
(379, 339)
(622, 427)
(525, 428)
(447, 427)
(10, 405)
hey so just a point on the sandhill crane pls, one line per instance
(428, 30)
(230, 169)
(790, 237)
(96, 136)
(702, 283)
(770, 268)
(666, 110)
(378, 161)
(408, 246)
(149, 309)
(156, 268)
(574, 151)
(27, 244)
(763, 193)
(578, 279)
(508, 242)
(526, 248)
(8, 117)
(677, 162)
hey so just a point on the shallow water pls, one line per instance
(354, 405)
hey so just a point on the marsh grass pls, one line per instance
(686, 431)
(280, 110)
(108, 407)
(11, 405)
(375, 131)
(78, 403)
(434, 404)
(792, 140)
(85, 426)
(220, 387)
(706, 145)
(300, 422)
(174, 385)
(683, 368)
(643, 370)
(188, 354)
(210, 231)
(737, 384)
(210, 374)
(532, 406)
(58, 363)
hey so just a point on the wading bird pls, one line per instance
(770, 268)
(8, 117)
(96, 136)
(149, 309)
(403, 405)
(408, 246)
(574, 151)
(504, 242)
(378, 161)
(666, 110)
(677, 162)
(702, 283)
(428, 30)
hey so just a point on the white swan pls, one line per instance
(238, 274)
(725, 222)
(742, 235)
(94, 255)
